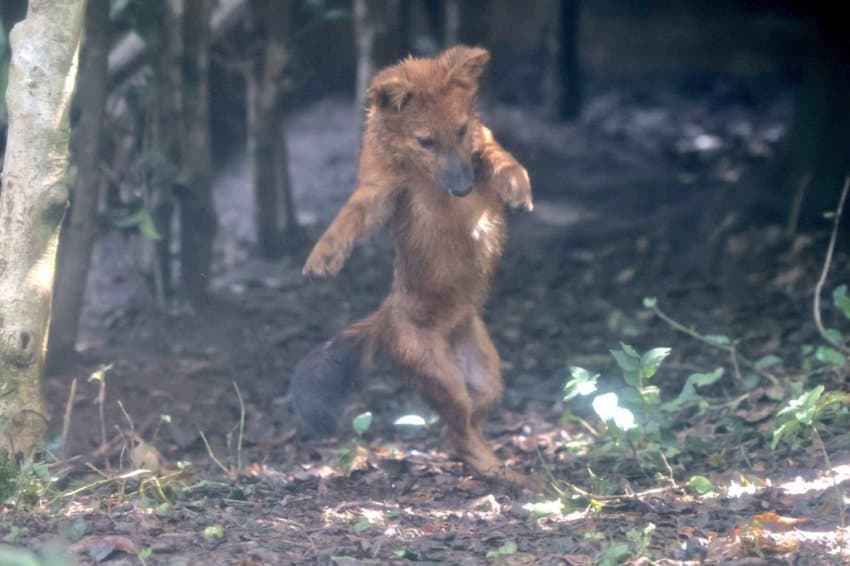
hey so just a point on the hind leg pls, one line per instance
(425, 358)
(477, 358)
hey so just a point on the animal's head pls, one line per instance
(425, 109)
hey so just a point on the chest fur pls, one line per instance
(450, 234)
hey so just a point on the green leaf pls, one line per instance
(631, 352)
(651, 395)
(689, 393)
(830, 356)
(406, 554)
(361, 423)
(834, 335)
(719, 339)
(703, 379)
(615, 553)
(508, 547)
(767, 361)
(651, 361)
(841, 300)
(629, 361)
(346, 458)
(701, 484)
(72, 529)
(214, 531)
(148, 228)
(582, 383)
(141, 220)
(608, 409)
(545, 508)
(361, 525)
(650, 302)
(803, 408)
(20, 557)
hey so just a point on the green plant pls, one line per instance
(801, 417)
(634, 415)
(53, 553)
(637, 546)
(348, 454)
(24, 481)
(507, 548)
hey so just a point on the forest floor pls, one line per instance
(653, 193)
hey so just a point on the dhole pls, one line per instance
(431, 173)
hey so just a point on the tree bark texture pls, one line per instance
(34, 196)
(451, 22)
(820, 135)
(563, 81)
(377, 44)
(198, 220)
(168, 140)
(274, 209)
(78, 234)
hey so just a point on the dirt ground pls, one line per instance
(652, 194)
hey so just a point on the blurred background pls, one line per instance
(679, 149)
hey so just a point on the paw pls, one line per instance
(514, 186)
(326, 260)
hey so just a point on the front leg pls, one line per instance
(368, 208)
(509, 177)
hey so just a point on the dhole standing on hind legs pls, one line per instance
(432, 173)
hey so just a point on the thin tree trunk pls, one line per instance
(198, 220)
(374, 23)
(78, 234)
(451, 22)
(563, 81)
(34, 197)
(11, 12)
(167, 139)
(274, 210)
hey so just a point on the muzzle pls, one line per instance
(455, 177)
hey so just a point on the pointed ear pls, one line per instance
(465, 65)
(388, 91)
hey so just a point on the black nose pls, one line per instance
(456, 177)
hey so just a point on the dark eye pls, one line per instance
(462, 131)
(425, 142)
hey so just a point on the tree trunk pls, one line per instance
(563, 82)
(197, 211)
(274, 210)
(451, 22)
(167, 50)
(820, 135)
(34, 196)
(374, 23)
(11, 12)
(78, 234)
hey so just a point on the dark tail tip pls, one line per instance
(322, 383)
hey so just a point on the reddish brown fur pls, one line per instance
(446, 246)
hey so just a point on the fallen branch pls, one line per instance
(836, 220)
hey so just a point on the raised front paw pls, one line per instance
(326, 259)
(514, 186)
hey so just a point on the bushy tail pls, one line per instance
(323, 381)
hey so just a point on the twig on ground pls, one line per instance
(100, 376)
(797, 205)
(213, 457)
(737, 357)
(839, 493)
(836, 220)
(66, 420)
(241, 428)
